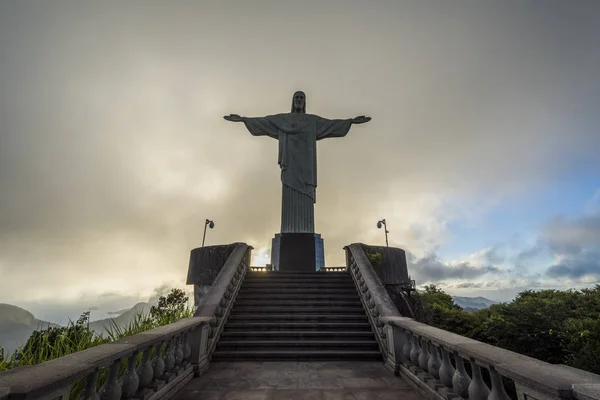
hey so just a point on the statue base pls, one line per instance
(297, 252)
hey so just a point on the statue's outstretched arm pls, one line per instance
(258, 126)
(328, 128)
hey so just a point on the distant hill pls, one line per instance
(16, 325)
(103, 325)
(476, 303)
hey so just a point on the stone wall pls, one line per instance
(205, 265)
(392, 269)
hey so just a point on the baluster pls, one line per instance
(461, 380)
(498, 392)
(145, 371)
(478, 390)
(130, 379)
(179, 350)
(406, 348)
(187, 349)
(414, 350)
(399, 340)
(111, 390)
(433, 366)
(423, 355)
(446, 370)
(159, 362)
(219, 311)
(89, 392)
(169, 356)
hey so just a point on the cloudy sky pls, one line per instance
(482, 154)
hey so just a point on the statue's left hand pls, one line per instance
(361, 120)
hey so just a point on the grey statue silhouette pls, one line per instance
(297, 133)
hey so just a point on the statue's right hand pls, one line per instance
(234, 118)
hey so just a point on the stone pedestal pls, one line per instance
(297, 252)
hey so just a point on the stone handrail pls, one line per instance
(169, 356)
(376, 301)
(424, 353)
(159, 362)
(217, 303)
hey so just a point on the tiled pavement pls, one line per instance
(337, 380)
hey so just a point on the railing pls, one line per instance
(259, 269)
(434, 360)
(151, 365)
(374, 297)
(217, 304)
(333, 269)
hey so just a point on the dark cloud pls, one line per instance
(577, 267)
(431, 269)
(576, 243)
(529, 254)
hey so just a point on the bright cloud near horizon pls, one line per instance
(482, 153)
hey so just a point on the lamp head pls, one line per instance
(379, 224)
(211, 225)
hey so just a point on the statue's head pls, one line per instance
(299, 102)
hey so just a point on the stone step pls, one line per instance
(286, 278)
(296, 355)
(296, 334)
(297, 317)
(305, 291)
(336, 326)
(331, 344)
(299, 285)
(295, 309)
(334, 304)
(295, 273)
(274, 297)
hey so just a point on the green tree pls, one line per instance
(442, 312)
(170, 308)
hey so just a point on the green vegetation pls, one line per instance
(559, 327)
(55, 342)
(374, 257)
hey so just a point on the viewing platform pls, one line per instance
(335, 334)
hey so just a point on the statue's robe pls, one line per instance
(297, 134)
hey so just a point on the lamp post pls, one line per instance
(211, 225)
(379, 225)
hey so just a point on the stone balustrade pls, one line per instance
(258, 269)
(434, 360)
(333, 269)
(151, 365)
(219, 300)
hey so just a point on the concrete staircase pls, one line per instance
(309, 316)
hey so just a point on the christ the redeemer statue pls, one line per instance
(298, 133)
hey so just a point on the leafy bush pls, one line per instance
(559, 327)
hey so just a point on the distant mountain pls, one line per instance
(16, 325)
(102, 326)
(475, 303)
